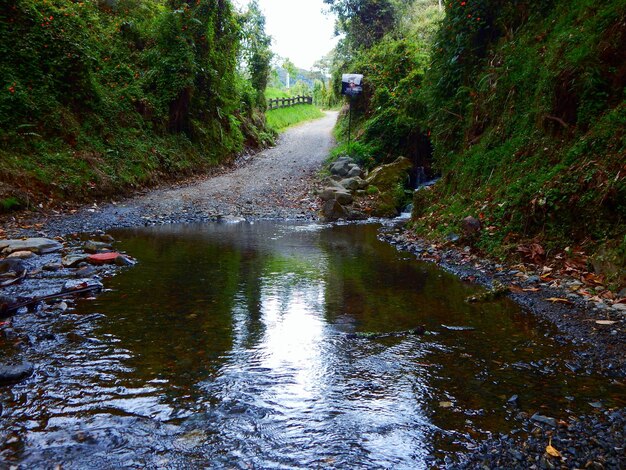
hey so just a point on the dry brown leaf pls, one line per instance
(552, 451)
(531, 289)
(558, 299)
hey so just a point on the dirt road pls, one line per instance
(275, 183)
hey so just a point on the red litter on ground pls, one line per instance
(103, 258)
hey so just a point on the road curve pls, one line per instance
(275, 183)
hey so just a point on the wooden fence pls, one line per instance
(286, 102)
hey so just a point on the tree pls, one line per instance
(256, 52)
(364, 22)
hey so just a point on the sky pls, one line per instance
(300, 30)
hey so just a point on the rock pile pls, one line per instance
(31, 268)
(344, 181)
(348, 182)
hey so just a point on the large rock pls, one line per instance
(355, 171)
(354, 183)
(339, 194)
(342, 166)
(332, 210)
(36, 245)
(386, 177)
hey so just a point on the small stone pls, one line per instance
(21, 254)
(470, 225)
(619, 307)
(124, 261)
(534, 279)
(544, 420)
(92, 246)
(73, 259)
(52, 266)
(85, 271)
(355, 171)
(514, 400)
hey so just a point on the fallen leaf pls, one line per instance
(551, 450)
(605, 322)
(445, 404)
(557, 299)
(531, 289)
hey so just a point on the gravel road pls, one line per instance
(275, 183)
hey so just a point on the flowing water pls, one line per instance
(233, 346)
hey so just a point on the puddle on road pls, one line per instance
(227, 345)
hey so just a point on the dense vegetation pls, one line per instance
(519, 105)
(102, 95)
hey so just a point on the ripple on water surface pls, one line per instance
(228, 345)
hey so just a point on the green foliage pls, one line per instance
(390, 119)
(97, 96)
(364, 154)
(10, 203)
(365, 22)
(526, 126)
(280, 119)
(256, 50)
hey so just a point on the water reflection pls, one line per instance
(227, 346)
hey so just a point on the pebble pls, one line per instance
(22, 254)
(544, 419)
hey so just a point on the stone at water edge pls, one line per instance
(92, 246)
(385, 177)
(41, 246)
(10, 374)
(544, 420)
(103, 258)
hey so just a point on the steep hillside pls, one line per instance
(528, 113)
(103, 95)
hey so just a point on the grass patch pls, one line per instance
(280, 119)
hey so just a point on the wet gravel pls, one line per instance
(591, 441)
